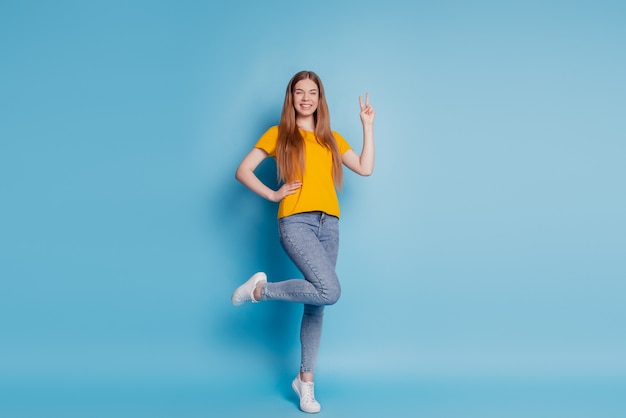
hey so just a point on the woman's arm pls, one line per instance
(245, 174)
(363, 164)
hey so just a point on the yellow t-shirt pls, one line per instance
(318, 189)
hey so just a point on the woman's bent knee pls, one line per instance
(331, 297)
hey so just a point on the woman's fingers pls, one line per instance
(292, 187)
(365, 107)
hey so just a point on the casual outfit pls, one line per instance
(318, 189)
(308, 224)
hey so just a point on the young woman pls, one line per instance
(309, 158)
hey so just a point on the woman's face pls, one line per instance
(305, 97)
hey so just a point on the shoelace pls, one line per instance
(308, 394)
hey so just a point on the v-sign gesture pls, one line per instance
(367, 111)
(363, 164)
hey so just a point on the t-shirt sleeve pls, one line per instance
(342, 144)
(267, 142)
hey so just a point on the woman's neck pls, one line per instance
(306, 123)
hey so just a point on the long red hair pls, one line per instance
(290, 145)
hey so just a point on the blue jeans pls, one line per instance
(311, 240)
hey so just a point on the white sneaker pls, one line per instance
(244, 292)
(306, 392)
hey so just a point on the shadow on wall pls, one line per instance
(267, 333)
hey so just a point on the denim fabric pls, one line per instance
(311, 240)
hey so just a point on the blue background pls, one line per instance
(483, 263)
